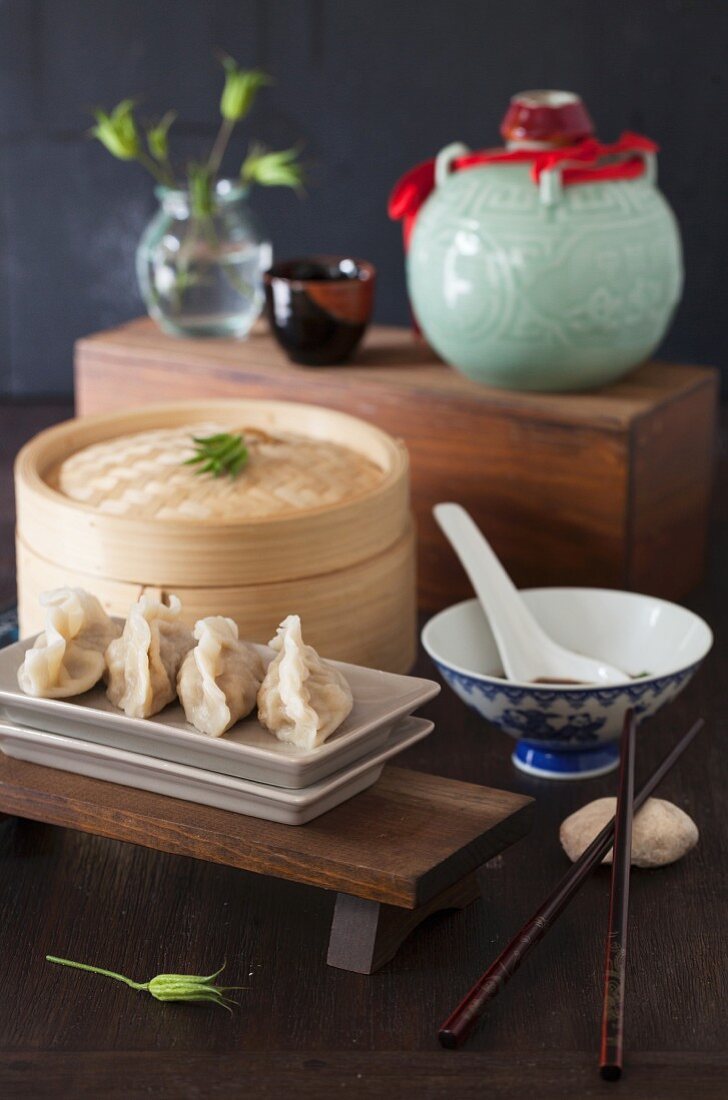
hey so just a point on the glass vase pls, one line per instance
(201, 272)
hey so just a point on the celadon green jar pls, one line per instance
(545, 267)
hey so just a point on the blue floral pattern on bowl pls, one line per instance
(550, 722)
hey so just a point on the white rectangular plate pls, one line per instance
(247, 750)
(225, 792)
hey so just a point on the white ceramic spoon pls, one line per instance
(528, 654)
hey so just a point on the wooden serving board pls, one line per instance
(405, 848)
(608, 488)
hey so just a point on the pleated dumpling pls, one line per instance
(302, 698)
(68, 657)
(219, 679)
(144, 662)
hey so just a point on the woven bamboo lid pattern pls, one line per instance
(143, 474)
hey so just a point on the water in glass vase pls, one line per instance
(201, 274)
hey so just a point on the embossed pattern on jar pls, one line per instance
(528, 296)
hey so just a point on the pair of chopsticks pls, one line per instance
(617, 833)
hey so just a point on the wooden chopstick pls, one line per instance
(461, 1022)
(612, 1035)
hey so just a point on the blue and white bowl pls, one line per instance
(564, 731)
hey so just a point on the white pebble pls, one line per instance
(661, 831)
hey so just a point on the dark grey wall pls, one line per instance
(372, 86)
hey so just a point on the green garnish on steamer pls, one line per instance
(219, 454)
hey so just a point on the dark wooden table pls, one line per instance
(305, 1030)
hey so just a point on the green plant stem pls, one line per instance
(220, 145)
(98, 970)
(168, 172)
(202, 227)
(159, 174)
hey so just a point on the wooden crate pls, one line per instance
(608, 488)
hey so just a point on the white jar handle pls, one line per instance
(444, 159)
(551, 186)
(650, 167)
(551, 181)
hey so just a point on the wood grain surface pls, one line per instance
(391, 356)
(401, 841)
(570, 488)
(315, 1074)
(307, 1030)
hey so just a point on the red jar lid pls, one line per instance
(546, 118)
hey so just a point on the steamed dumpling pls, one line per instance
(219, 679)
(144, 662)
(68, 657)
(302, 698)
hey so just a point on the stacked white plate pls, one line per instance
(247, 770)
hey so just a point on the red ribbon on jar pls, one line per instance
(587, 161)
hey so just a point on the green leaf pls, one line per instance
(118, 130)
(273, 169)
(240, 89)
(157, 137)
(211, 438)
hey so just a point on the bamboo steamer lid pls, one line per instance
(145, 475)
(324, 514)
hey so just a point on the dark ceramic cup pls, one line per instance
(319, 306)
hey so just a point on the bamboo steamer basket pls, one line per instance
(348, 567)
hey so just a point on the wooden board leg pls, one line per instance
(367, 934)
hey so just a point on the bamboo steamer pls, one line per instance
(347, 566)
